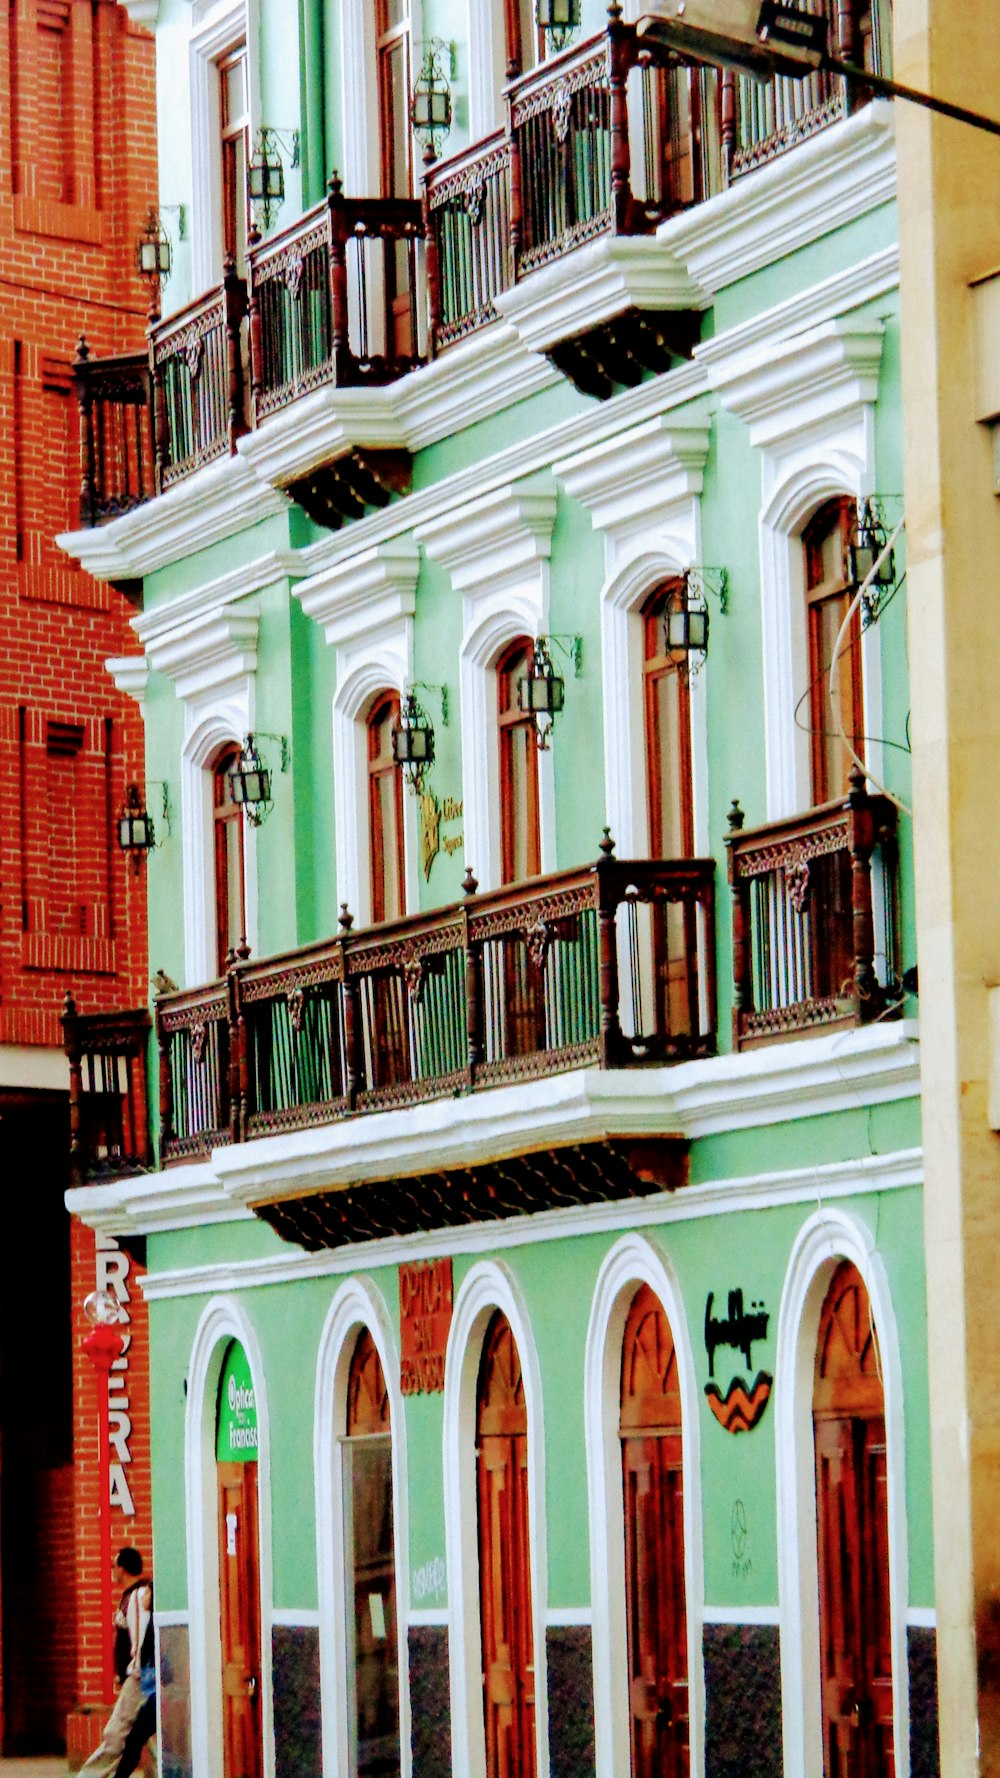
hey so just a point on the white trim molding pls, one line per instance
(827, 1238)
(209, 652)
(130, 673)
(357, 1306)
(809, 402)
(496, 551)
(365, 606)
(643, 490)
(843, 173)
(594, 285)
(222, 1320)
(633, 1261)
(213, 36)
(487, 1287)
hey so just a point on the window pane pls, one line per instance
(373, 1681)
(234, 883)
(234, 93)
(391, 859)
(669, 791)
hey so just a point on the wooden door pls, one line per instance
(239, 1610)
(373, 1662)
(230, 866)
(504, 1559)
(667, 713)
(853, 1537)
(653, 1490)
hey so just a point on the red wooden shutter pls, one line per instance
(652, 1475)
(852, 1537)
(504, 1559)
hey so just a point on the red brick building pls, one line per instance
(77, 175)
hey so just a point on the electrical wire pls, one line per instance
(835, 673)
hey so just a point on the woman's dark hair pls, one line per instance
(130, 1560)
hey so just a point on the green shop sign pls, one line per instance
(236, 1438)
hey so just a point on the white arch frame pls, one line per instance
(633, 1261)
(498, 621)
(827, 1238)
(795, 496)
(357, 1305)
(386, 665)
(487, 1287)
(223, 1319)
(226, 725)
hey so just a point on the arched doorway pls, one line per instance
(504, 1557)
(372, 1642)
(852, 1536)
(653, 1494)
(239, 1566)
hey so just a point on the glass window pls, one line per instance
(385, 813)
(372, 1649)
(230, 907)
(828, 596)
(520, 847)
(234, 123)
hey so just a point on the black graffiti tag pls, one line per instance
(739, 1329)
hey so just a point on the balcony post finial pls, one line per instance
(346, 918)
(469, 883)
(607, 845)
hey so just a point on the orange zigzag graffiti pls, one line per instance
(741, 1407)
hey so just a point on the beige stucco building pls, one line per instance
(949, 177)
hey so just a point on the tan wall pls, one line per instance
(950, 234)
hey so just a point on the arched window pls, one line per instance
(667, 722)
(828, 595)
(504, 1557)
(653, 1493)
(385, 813)
(230, 894)
(520, 839)
(853, 1535)
(372, 1645)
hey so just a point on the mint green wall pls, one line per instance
(557, 1278)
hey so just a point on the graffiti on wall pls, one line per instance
(742, 1405)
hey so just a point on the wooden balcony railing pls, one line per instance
(196, 360)
(336, 299)
(109, 1132)
(116, 434)
(539, 977)
(595, 142)
(806, 892)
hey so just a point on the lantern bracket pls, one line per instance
(699, 581)
(869, 533)
(430, 100)
(442, 691)
(284, 748)
(571, 647)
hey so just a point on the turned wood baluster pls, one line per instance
(338, 276)
(621, 38)
(88, 492)
(867, 1001)
(71, 1045)
(432, 268)
(728, 122)
(256, 342)
(235, 305)
(516, 194)
(473, 983)
(167, 1131)
(742, 987)
(607, 939)
(349, 989)
(161, 436)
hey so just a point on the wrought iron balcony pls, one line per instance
(579, 969)
(107, 1092)
(809, 894)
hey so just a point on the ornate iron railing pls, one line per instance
(109, 1132)
(336, 299)
(596, 141)
(196, 362)
(535, 978)
(116, 433)
(805, 899)
(762, 119)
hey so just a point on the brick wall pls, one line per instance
(77, 96)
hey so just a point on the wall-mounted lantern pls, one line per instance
(136, 833)
(266, 172)
(542, 691)
(686, 617)
(154, 255)
(250, 784)
(430, 103)
(558, 19)
(869, 536)
(413, 742)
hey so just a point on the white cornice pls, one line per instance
(163, 620)
(130, 673)
(364, 594)
(218, 502)
(842, 1071)
(843, 173)
(595, 284)
(318, 427)
(498, 537)
(715, 1197)
(216, 648)
(472, 381)
(638, 471)
(782, 387)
